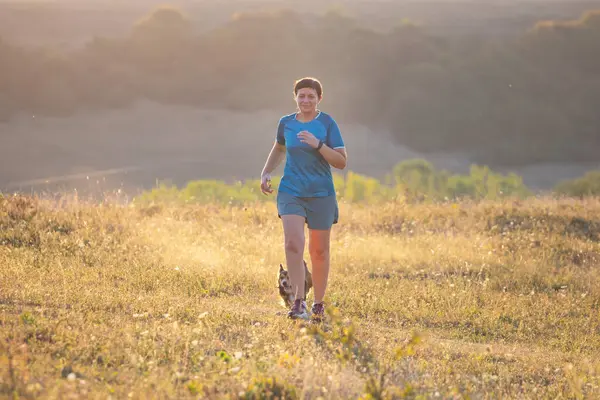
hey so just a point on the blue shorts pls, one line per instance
(320, 213)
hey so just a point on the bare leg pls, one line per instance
(293, 231)
(318, 246)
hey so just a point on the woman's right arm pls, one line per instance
(276, 156)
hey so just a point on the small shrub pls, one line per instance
(265, 388)
(587, 185)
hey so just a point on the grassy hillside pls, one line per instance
(72, 22)
(479, 300)
(518, 99)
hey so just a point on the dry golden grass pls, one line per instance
(468, 300)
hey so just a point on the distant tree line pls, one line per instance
(411, 181)
(531, 97)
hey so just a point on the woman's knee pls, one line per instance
(319, 252)
(294, 245)
(293, 228)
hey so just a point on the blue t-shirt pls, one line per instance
(306, 172)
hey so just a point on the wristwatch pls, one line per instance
(320, 145)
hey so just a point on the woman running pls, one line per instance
(312, 143)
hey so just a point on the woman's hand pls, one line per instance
(265, 183)
(309, 139)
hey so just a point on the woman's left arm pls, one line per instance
(335, 157)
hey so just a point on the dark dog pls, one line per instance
(285, 287)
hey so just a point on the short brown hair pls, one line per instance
(308, 82)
